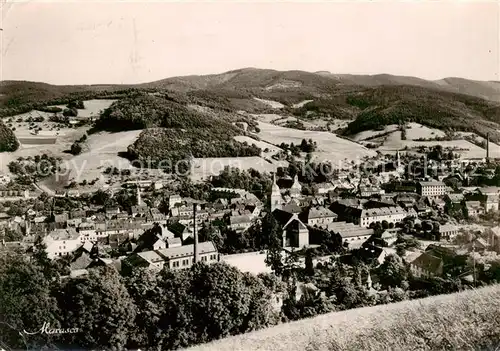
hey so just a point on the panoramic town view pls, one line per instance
(342, 196)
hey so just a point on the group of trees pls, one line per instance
(31, 169)
(306, 146)
(8, 141)
(76, 147)
(172, 149)
(169, 310)
(250, 180)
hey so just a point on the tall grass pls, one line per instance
(464, 321)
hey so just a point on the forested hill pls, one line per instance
(177, 128)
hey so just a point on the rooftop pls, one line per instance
(432, 183)
(186, 250)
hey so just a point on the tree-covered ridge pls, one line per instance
(168, 110)
(169, 145)
(399, 104)
(8, 141)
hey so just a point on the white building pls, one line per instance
(351, 234)
(448, 231)
(320, 216)
(62, 242)
(392, 214)
(176, 257)
(432, 189)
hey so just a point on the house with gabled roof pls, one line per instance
(318, 216)
(295, 232)
(427, 265)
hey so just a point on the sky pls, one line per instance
(132, 42)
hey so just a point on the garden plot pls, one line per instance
(330, 146)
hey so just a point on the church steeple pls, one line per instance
(275, 189)
(369, 281)
(275, 198)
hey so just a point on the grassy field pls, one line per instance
(330, 146)
(463, 321)
(92, 107)
(302, 103)
(367, 134)
(416, 131)
(394, 142)
(101, 151)
(270, 103)
(202, 168)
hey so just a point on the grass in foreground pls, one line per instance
(468, 320)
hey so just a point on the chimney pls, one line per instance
(195, 234)
(488, 147)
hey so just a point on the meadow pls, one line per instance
(468, 320)
(330, 146)
(202, 168)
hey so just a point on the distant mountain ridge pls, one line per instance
(372, 101)
(248, 79)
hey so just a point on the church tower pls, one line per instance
(139, 199)
(275, 197)
(296, 188)
(369, 282)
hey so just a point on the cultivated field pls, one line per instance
(203, 168)
(463, 321)
(330, 146)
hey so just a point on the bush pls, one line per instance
(77, 104)
(70, 112)
(76, 148)
(8, 141)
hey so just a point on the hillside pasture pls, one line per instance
(330, 146)
(462, 321)
(367, 134)
(203, 168)
(92, 107)
(465, 148)
(100, 151)
(301, 104)
(271, 103)
(416, 131)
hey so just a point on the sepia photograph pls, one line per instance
(249, 175)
